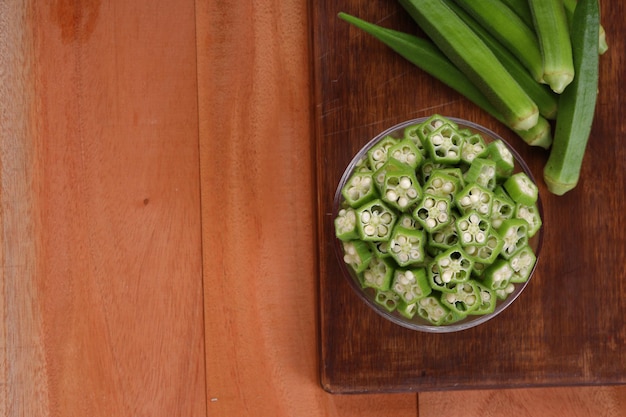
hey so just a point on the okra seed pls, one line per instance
(467, 237)
(466, 201)
(448, 187)
(446, 276)
(391, 195)
(405, 182)
(378, 155)
(382, 230)
(451, 298)
(429, 203)
(412, 193)
(366, 216)
(431, 223)
(369, 230)
(443, 217)
(436, 140)
(403, 202)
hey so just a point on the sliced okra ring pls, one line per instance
(441, 184)
(406, 152)
(378, 274)
(486, 253)
(473, 147)
(375, 221)
(501, 154)
(433, 123)
(454, 265)
(411, 133)
(401, 189)
(479, 267)
(445, 237)
(474, 197)
(408, 222)
(498, 275)
(482, 171)
(345, 224)
(455, 173)
(514, 233)
(488, 300)
(428, 167)
(473, 229)
(380, 248)
(522, 263)
(521, 189)
(408, 310)
(431, 309)
(434, 278)
(531, 215)
(357, 255)
(464, 299)
(444, 145)
(406, 246)
(378, 154)
(359, 189)
(392, 165)
(388, 299)
(433, 212)
(503, 208)
(505, 292)
(411, 284)
(362, 165)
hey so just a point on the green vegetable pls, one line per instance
(345, 224)
(509, 29)
(521, 189)
(577, 103)
(520, 7)
(522, 263)
(375, 221)
(378, 274)
(554, 38)
(437, 256)
(473, 229)
(463, 300)
(411, 284)
(426, 56)
(470, 54)
(570, 6)
(359, 189)
(546, 99)
(357, 254)
(514, 232)
(407, 246)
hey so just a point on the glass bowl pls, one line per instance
(368, 295)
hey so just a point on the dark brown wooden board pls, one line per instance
(568, 327)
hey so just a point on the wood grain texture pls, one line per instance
(573, 328)
(101, 261)
(258, 216)
(529, 402)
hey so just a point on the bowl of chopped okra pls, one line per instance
(438, 224)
